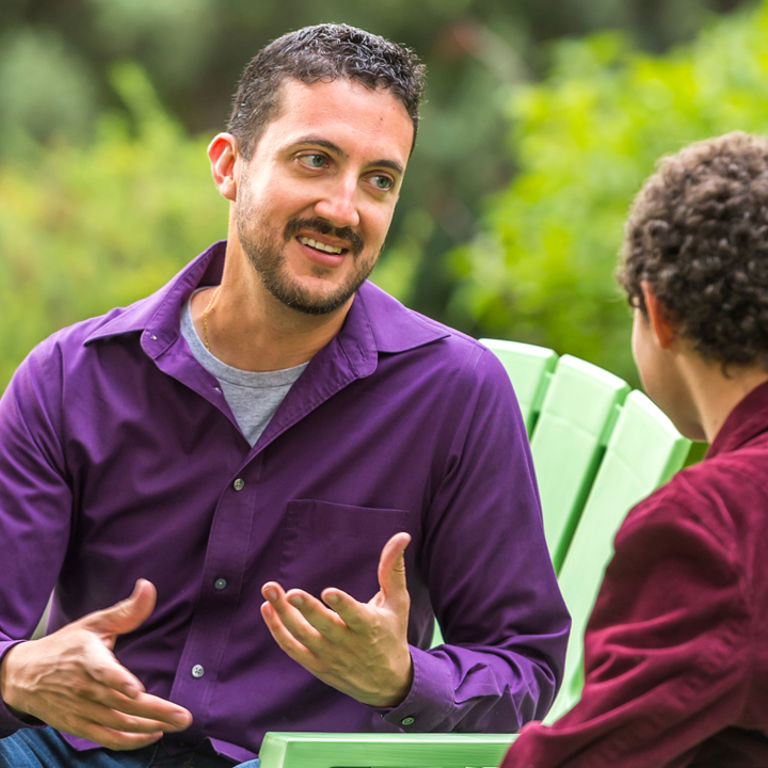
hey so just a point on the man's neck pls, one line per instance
(253, 331)
(714, 394)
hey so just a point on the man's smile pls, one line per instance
(323, 238)
(317, 245)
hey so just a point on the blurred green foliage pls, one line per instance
(541, 268)
(108, 106)
(85, 228)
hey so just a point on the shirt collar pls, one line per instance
(376, 322)
(746, 421)
(393, 327)
(157, 316)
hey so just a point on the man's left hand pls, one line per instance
(360, 649)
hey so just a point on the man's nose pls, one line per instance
(339, 204)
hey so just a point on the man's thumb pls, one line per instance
(392, 567)
(126, 615)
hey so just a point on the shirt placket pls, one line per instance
(224, 568)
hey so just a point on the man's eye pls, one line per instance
(382, 182)
(314, 160)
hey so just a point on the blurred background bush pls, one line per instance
(542, 119)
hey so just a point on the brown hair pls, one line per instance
(697, 232)
(321, 52)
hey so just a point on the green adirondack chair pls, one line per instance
(598, 448)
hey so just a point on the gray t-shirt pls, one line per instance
(253, 396)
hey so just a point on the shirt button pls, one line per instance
(198, 671)
(239, 484)
(220, 583)
(408, 721)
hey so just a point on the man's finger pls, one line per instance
(126, 615)
(144, 714)
(146, 709)
(391, 571)
(350, 612)
(115, 740)
(105, 670)
(108, 736)
(285, 639)
(326, 621)
(290, 615)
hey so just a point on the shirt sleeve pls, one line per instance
(489, 576)
(665, 651)
(35, 504)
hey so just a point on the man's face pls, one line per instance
(315, 200)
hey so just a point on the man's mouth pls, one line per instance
(345, 239)
(318, 246)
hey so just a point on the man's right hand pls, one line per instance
(72, 680)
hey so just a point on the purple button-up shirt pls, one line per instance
(120, 459)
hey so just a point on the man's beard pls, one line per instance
(267, 257)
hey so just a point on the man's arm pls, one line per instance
(666, 650)
(69, 679)
(72, 681)
(484, 560)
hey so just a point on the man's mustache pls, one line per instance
(325, 228)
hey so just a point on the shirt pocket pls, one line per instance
(337, 545)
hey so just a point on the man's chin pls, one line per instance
(309, 303)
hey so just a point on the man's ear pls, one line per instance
(222, 152)
(658, 317)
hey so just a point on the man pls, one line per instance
(271, 421)
(675, 662)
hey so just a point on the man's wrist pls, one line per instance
(6, 687)
(402, 690)
(6, 682)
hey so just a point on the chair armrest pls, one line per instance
(386, 750)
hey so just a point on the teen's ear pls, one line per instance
(658, 317)
(222, 153)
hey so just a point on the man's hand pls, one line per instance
(72, 680)
(361, 649)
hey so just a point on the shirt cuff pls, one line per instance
(430, 700)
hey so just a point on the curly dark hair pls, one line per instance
(321, 52)
(697, 232)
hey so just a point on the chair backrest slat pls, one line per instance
(529, 368)
(568, 442)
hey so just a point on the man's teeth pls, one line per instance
(319, 246)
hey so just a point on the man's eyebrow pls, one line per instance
(393, 165)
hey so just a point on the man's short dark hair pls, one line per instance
(322, 52)
(698, 233)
